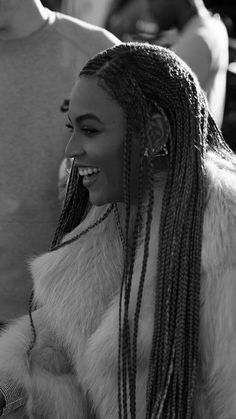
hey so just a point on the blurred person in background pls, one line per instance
(227, 11)
(41, 54)
(202, 42)
(136, 298)
(52, 4)
(91, 11)
(124, 15)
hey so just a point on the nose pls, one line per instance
(74, 147)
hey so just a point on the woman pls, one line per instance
(136, 299)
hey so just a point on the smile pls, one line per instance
(87, 171)
(89, 174)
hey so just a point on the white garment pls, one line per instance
(203, 45)
(77, 288)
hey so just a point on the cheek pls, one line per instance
(113, 175)
(113, 170)
(112, 161)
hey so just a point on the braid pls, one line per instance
(173, 358)
(74, 211)
(123, 331)
(144, 263)
(130, 265)
(75, 205)
(143, 79)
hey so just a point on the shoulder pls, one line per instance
(221, 175)
(219, 228)
(216, 27)
(203, 34)
(191, 45)
(82, 34)
(213, 33)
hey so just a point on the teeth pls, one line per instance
(88, 171)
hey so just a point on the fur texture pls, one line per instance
(77, 327)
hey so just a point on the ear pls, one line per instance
(158, 132)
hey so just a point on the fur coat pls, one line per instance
(74, 361)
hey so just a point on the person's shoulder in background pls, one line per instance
(202, 42)
(86, 36)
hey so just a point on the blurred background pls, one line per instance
(130, 20)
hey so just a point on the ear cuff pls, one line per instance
(153, 133)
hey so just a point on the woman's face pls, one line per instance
(98, 129)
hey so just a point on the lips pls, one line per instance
(89, 180)
(88, 173)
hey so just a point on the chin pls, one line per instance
(99, 201)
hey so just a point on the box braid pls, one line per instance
(74, 206)
(75, 209)
(125, 342)
(140, 77)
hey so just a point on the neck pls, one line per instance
(25, 18)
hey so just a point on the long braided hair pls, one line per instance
(143, 77)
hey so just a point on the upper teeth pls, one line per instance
(88, 171)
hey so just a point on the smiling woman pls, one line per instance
(136, 298)
(98, 129)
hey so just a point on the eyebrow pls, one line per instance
(84, 117)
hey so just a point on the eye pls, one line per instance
(89, 131)
(70, 127)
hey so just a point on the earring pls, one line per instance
(157, 136)
(153, 153)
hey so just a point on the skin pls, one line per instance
(98, 126)
(20, 18)
(98, 129)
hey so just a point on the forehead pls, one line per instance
(88, 97)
